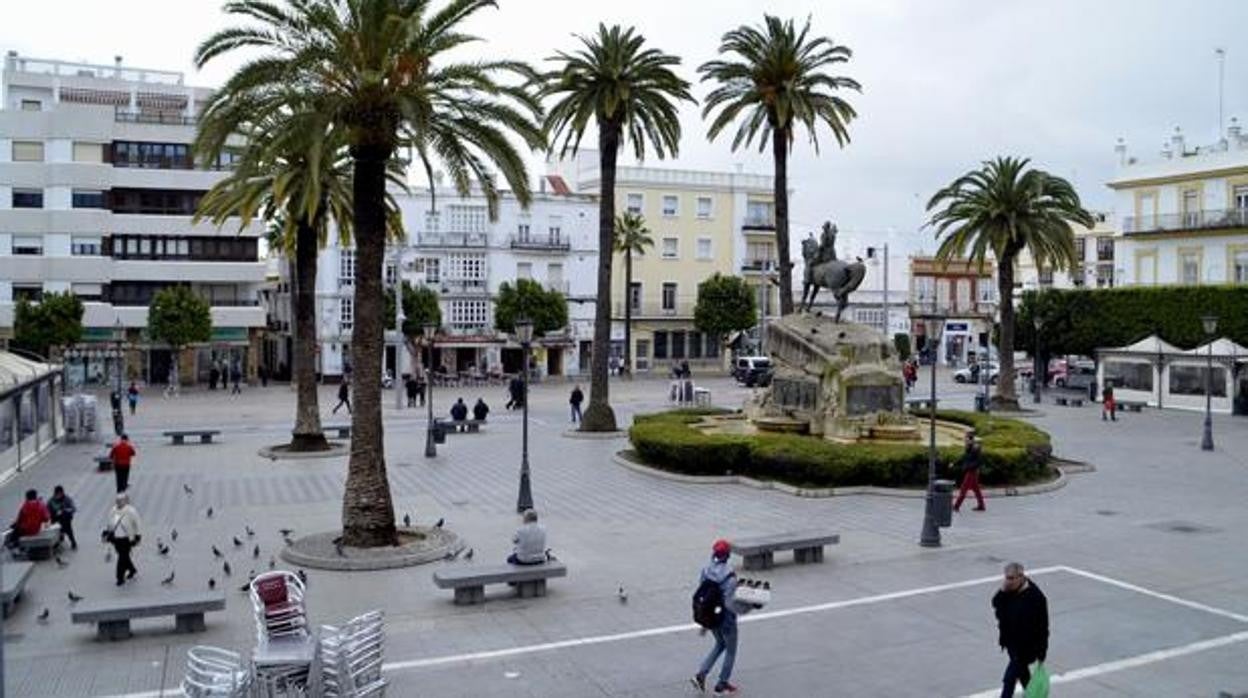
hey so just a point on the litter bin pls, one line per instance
(981, 402)
(942, 502)
(439, 433)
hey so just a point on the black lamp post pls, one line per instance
(524, 333)
(1210, 323)
(119, 416)
(930, 537)
(428, 330)
(1041, 373)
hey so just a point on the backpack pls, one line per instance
(708, 604)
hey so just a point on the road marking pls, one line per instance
(1156, 594)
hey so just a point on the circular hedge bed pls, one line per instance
(1015, 453)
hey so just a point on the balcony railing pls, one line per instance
(435, 239)
(922, 304)
(1105, 255)
(758, 265)
(561, 286)
(1195, 220)
(549, 244)
(153, 117)
(759, 223)
(656, 310)
(465, 286)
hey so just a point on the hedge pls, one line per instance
(1014, 453)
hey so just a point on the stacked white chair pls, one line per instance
(350, 658)
(277, 599)
(212, 672)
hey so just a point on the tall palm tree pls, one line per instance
(776, 80)
(381, 70)
(631, 237)
(628, 92)
(1001, 209)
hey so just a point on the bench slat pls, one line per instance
(468, 575)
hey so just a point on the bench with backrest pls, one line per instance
(343, 430)
(103, 460)
(179, 435)
(451, 426)
(1132, 405)
(469, 580)
(113, 616)
(1068, 400)
(13, 584)
(40, 545)
(758, 552)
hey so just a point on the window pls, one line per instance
(987, 289)
(32, 293)
(964, 294)
(524, 270)
(88, 152)
(27, 245)
(432, 269)
(468, 219)
(27, 198)
(1081, 248)
(678, 345)
(671, 205)
(1191, 207)
(346, 313)
(704, 207)
(27, 151)
(151, 156)
(1104, 276)
(32, 105)
(712, 347)
(670, 248)
(392, 274)
(88, 198)
(1104, 249)
(167, 202)
(660, 344)
(86, 245)
(1189, 268)
(1190, 380)
(88, 292)
(555, 229)
(469, 315)
(704, 249)
(758, 214)
(643, 352)
(346, 268)
(924, 289)
(554, 277)
(634, 296)
(1046, 276)
(635, 202)
(1240, 194)
(695, 345)
(669, 297)
(1240, 262)
(1129, 375)
(467, 266)
(522, 231)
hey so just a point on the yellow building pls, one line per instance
(701, 223)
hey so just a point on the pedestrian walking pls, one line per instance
(421, 380)
(969, 463)
(264, 376)
(213, 374)
(132, 394)
(480, 410)
(716, 610)
(62, 509)
(236, 377)
(123, 533)
(1109, 408)
(614, 365)
(1023, 626)
(122, 455)
(409, 387)
(575, 401)
(344, 397)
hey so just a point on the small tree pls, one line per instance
(901, 341)
(53, 322)
(420, 307)
(179, 318)
(726, 304)
(548, 309)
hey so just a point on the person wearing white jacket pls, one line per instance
(123, 533)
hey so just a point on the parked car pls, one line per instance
(1076, 376)
(970, 374)
(753, 370)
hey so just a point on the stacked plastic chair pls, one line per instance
(212, 672)
(350, 658)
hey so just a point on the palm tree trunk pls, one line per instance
(780, 155)
(367, 510)
(307, 435)
(628, 311)
(1006, 398)
(598, 414)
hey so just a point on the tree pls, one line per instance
(420, 308)
(629, 92)
(179, 318)
(55, 322)
(726, 304)
(901, 342)
(1000, 210)
(631, 237)
(776, 81)
(380, 70)
(547, 309)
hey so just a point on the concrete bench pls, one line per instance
(343, 430)
(759, 552)
(469, 580)
(450, 426)
(113, 616)
(1132, 405)
(40, 545)
(1068, 401)
(922, 403)
(205, 435)
(15, 576)
(103, 460)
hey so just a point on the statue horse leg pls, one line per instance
(814, 291)
(841, 302)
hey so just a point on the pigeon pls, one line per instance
(439, 523)
(468, 555)
(550, 557)
(209, 512)
(60, 562)
(212, 583)
(245, 588)
(168, 580)
(162, 548)
(43, 615)
(407, 520)
(173, 535)
(286, 532)
(767, 586)
(272, 562)
(187, 489)
(225, 567)
(237, 543)
(255, 553)
(451, 555)
(74, 598)
(303, 577)
(216, 552)
(621, 594)
(338, 548)
(250, 533)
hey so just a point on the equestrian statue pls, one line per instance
(824, 270)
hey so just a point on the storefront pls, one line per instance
(1159, 374)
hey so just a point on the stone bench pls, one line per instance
(450, 426)
(758, 552)
(103, 460)
(1068, 401)
(38, 546)
(1132, 405)
(14, 583)
(922, 403)
(343, 430)
(113, 616)
(179, 435)
(469, 580)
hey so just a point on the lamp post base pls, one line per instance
(431, 450)
(525, 501)
(1206, 439)
(930, 537)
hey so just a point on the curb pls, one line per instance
(316, 551)
(336, 448)
(1063, 467)
(595, 435)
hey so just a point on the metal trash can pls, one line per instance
(981, 402)
(439, 433)
(942, 502)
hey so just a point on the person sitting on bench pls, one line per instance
(530, 540)
(480, 410)
(31, 517)
(459, 411)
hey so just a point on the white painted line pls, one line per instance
(1138, 660)
(1156, 594)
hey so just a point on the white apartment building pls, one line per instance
(1185, 212)
(1095, 250)
(464, 256)
(97, 191)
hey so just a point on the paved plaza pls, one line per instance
(1141, 560)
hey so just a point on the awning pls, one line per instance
(17, 371)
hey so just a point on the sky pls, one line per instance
(946, 84)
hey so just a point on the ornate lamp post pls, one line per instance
(934, 325)
(1041, 373)
(1210, 325)
(524, 333)
(428, 330)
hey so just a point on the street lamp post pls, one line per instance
(428, 330)
(399, 345)
(1210, 323)
(524, 333)
(930, 537)
(119, 417)
(1040, 373)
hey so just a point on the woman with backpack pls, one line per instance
(715, 609)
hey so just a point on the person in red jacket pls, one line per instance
(122, 455)
(30, 518)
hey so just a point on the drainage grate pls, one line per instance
(1185, 527)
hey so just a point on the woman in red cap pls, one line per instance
(718, 572)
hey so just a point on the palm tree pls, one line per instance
(777, 81)
(631, 237)
(380, 70)
(629, 92)
(1000, 210)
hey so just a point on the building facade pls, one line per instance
(1096, 266)
(97, 192)
(963, 291)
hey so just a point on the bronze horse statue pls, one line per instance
(841, 278)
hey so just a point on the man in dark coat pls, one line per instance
(1023, 624)
(459, 411)
(480, 410)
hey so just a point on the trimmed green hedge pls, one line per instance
(1014, 453)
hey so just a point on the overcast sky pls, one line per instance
(945, 84)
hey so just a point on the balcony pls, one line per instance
(166, 118)
(759, 266)
(465, 287)
(1196, 220)
(540, 244)
(1105, 254)
(461, 240)
(952, 307)
(761, 223)
(656, 310)
(560, 286)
